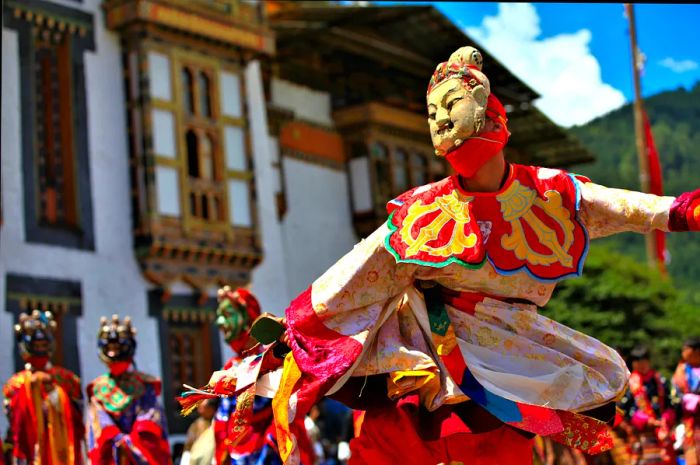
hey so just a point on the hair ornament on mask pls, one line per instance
(480, 132)
(465, 64)
(34, 334)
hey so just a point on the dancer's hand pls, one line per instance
(285, 339)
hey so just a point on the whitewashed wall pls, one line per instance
(308, 104)
(317, 228)
(110, 277)
(269, 282)
(11, 185)
(316, 231)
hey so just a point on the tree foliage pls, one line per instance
(675, 121)
(624, 303)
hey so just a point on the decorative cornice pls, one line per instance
(51, 17)
(188, 18)
(189, 315)
(380, 114)
(31, 301)
(200, 267)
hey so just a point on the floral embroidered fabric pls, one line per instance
(368, 314)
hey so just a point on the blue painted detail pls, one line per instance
(573, 274)
(505, 410)
(577, 185)
(693, 381)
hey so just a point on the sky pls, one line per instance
(577, 56)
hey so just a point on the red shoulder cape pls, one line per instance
(529, 225)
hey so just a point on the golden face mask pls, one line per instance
(453, 115)
(457, 96)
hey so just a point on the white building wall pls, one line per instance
(110, 278)
(11, 185)
(269, 281)
(317, 228)
(316, 231)
(307, 104)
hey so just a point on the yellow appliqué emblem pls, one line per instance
(517, 205)
(452, 208)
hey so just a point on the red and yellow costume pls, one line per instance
(52, 397)
(126, 423)
(43, 402)
(244, 427)
(431, 323)
(649, 419)
(687, 380)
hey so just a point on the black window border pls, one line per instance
(84, 237)
(157, 305)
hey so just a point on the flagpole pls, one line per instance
(649, 239)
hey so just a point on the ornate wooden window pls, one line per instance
(399, 170)
(389, 153)
(381, 162)
(54, 127)
(198, 206)
(204, 177)
(55, 162)
(418, 168)
(396, 168)
(190, 150)
(190, 347)
(190, 354)
(408, 168)
(203, 170)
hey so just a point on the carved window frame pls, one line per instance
(179, 316)
(39, 24)
(213, 128)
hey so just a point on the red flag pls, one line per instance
(655, 187)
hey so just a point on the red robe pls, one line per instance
(260, 437)
(688, 385)
(530, 230)
(45, 416)
(126, 422)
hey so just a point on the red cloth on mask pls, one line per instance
(475, 151)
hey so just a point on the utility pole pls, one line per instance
(642, 154)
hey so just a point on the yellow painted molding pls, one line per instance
(120, 14)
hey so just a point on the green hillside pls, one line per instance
(675, 120)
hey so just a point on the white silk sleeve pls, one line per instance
(605, 210)
(361, 281)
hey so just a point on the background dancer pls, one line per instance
(687, 382)
(257, 444)
(126, 423)
(43, 402)
(649, 413)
